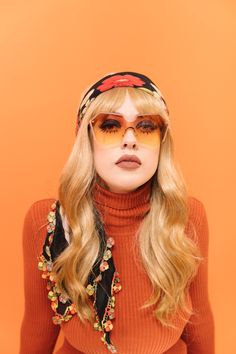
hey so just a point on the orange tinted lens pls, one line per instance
(109, 128)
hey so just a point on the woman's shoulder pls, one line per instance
(197, 225)
(36, 221)
(196, 209)
(38, 210)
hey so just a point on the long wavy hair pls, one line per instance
(169, 257)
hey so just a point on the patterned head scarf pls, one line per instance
(103, 281)
(119, 79)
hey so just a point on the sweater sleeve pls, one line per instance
(38, 333)
(199, 335)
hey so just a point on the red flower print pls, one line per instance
(120, 80)
(72, 309)
(110, 242)
(111, 313)
(108, 326)
(117, 287)
(104, 266)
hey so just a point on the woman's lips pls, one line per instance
(128, 164)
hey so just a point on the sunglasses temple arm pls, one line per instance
(165, 133)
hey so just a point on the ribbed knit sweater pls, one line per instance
(134, 331)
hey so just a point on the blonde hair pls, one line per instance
(168, 256)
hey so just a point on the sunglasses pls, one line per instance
(109, 128)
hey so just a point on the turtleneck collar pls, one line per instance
(122, 212)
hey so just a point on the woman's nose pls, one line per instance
(129, 138)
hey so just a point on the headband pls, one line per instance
(119, 79)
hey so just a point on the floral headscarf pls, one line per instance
(119, 79)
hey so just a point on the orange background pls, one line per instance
(50, 51)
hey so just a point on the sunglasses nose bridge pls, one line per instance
(129, 137)
(127, 129)
(128, 125)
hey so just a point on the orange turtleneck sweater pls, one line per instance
(134, 331)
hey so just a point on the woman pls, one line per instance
(123, 249)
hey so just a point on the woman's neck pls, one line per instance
(122, 212)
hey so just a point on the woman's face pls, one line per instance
(123, 179)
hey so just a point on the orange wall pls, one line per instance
(51, 50)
